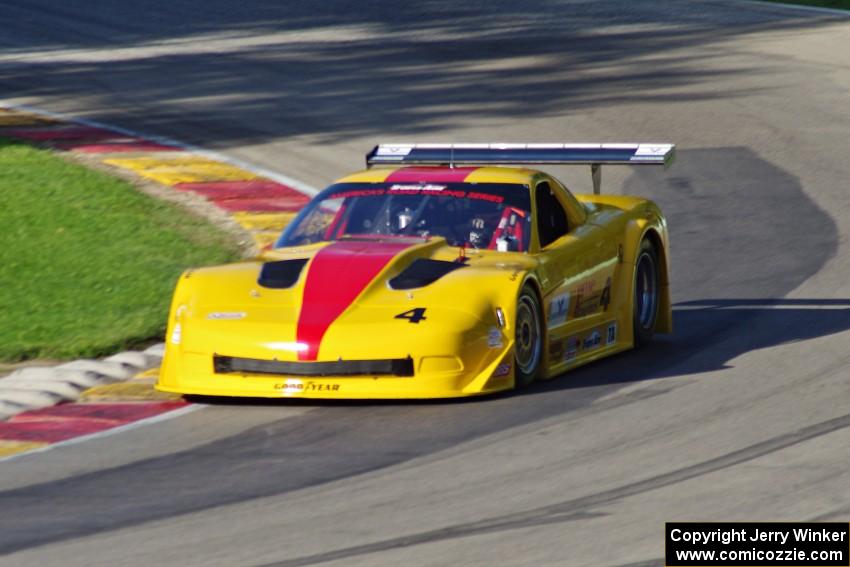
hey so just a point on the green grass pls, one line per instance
(837, 4)
(88, 263)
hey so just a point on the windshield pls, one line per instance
(478, 215)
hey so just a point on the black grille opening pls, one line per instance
(400, 367)
(281, 274)
(422, 272)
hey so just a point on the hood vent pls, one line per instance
(282, 274)
(422, 272)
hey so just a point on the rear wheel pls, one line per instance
(528, 346)
(646, 293)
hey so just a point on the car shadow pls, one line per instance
(708, 334)
(346, 439)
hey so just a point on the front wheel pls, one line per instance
(528, 346)
(646, 293)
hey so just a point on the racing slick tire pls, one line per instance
(646, 293)
(528, 345)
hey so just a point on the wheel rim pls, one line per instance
(527, 335)
(646, 291)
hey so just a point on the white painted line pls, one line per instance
(795, 7)
(213, 155)
(106, 433)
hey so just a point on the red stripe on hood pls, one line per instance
(337, 275)
(430, 174)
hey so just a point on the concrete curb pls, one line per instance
(213, 155)
(38, 387)
(249, 201)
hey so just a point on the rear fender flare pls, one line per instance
(637, 230)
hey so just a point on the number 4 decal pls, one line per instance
(413, 316)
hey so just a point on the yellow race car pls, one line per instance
(441, 270)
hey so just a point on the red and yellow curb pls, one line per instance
(260, 203)
(9, 447)
(98, 410)
(250, 198)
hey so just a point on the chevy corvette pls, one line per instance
(441, 270)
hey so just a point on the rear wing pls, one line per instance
(594, 155)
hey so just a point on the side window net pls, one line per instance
(551, 217)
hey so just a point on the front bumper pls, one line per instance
(434, 377)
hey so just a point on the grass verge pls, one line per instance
(88, 263)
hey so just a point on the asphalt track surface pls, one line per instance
(742, 414)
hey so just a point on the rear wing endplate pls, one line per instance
(594, 155)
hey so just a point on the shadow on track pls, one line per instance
(726, 243)
(710, 333)
(350, 438)
(580, 508)
(741, 227)
(338, 69)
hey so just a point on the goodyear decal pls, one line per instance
(293, 387)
